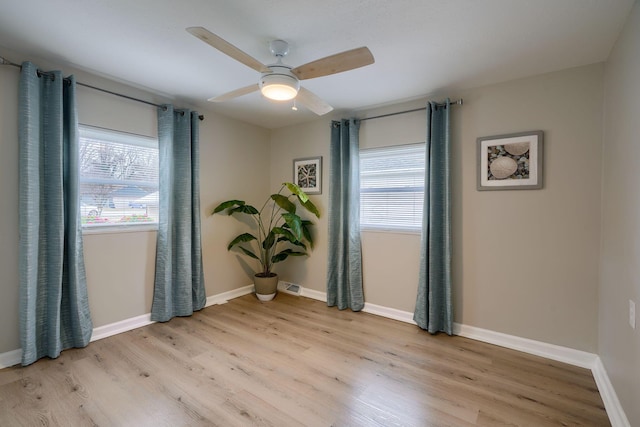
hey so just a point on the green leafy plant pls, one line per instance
(281, 232)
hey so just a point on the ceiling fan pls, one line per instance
(281, 82)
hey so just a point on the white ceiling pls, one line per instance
(421, 47)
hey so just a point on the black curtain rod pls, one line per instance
(458, 102)
(4, 61)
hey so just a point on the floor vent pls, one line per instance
(290, 288)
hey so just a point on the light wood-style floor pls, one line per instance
(294, 361)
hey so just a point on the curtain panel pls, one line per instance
(54, 306)
(344, 270)
(179, 280)
(433, 305)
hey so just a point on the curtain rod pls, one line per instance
(4, 61)
(458, 102)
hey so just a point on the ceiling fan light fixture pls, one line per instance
(279, 87)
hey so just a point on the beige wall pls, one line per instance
(528, 260)
(120, 266)
(305, 140)
(9, 339)
(525, 262)
(619, 344)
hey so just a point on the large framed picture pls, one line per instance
(510, 162)
(307, 174)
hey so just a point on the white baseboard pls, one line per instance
(122, 326)
(224, 297)
(611, 403)
(310, 293)
(538, 348)
(379, 310)
(389, 313)
(10, 358)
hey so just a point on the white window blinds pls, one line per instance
(392, 187)
(118, 178)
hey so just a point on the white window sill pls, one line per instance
(390, 230)
(116, 229)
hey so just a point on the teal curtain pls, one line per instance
(54, 307)
(344, 272)
(179, 280)
(433, 306)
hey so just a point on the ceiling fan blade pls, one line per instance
(235, 93)
(344, 61)
(313, 102)
(227, 48)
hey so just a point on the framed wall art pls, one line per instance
(510, 162)
(307, 174)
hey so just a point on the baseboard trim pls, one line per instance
(122, 326)
(611, 402)
(10, 358)
(224, 297)
(313, 294)
(378, 310)
(389, 313)
(571, 356)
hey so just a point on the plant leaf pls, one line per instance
(284, 203)
(226, 205)
(308, 205)
(293, 242)
(283, 231)
(297, 191)
(295, 224)
(307, 233)
(286, 253)
(244, 237)
(246, 209)
(248, 252)
(268, 242)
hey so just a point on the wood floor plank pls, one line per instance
(295, 361)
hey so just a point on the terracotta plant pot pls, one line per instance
(266, 287)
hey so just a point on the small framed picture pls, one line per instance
(510, 162)
(307, 174)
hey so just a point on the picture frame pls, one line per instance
(307, 174)
(510, 162)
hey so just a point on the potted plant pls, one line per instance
(280, 233)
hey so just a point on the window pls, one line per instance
(392, 187)
(118, 178)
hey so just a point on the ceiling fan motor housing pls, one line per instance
(280, 81)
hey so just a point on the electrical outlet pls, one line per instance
(632, 314)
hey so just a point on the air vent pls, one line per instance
(290, 288)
